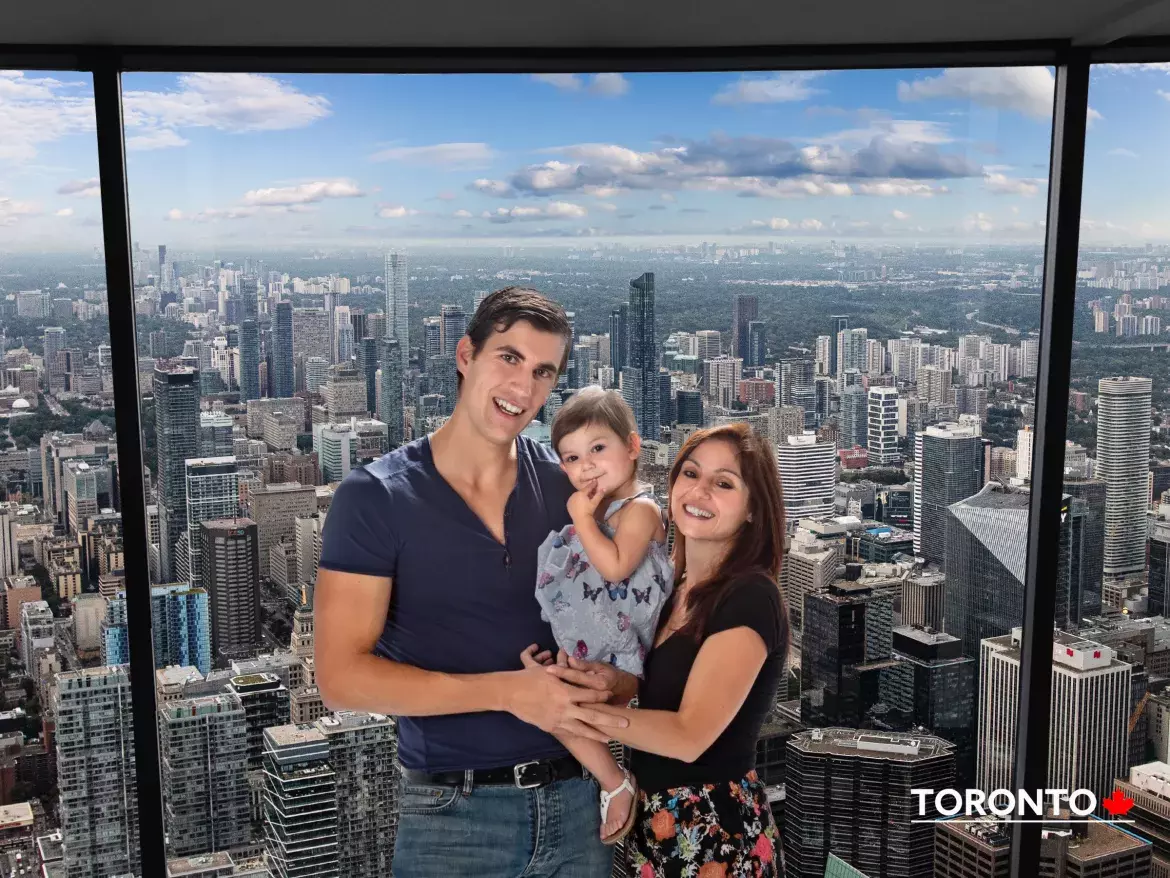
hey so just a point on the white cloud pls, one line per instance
(444, 155)
(1001, 184)
(175, 215)
(160, 138)
(776, 223)
(498, 188)
(780, 224)
(395, 211)
(90, 188)
(812, 224)
(304, 193)
(11, 211)
(607, 85)
(236, 212)
(552, 210)
(899, 215)
(606, 206)
(39, 109)
(1026, 90)
(64, 212)
(775, 89)
(463, 214)
(1122, 152)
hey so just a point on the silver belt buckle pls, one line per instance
(518, 769)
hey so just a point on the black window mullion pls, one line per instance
(107, 90)
(1062, 240)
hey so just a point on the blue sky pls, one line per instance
(301, 160)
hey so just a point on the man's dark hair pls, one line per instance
(500, 310)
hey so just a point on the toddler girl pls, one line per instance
(602, 581)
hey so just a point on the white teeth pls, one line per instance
(508, 407)
(701, 513)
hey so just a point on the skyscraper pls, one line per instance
(231, 576)
(838, 323)
(300, 803)
(796, 385)
(282, 353)
(1085, 506)
(640, 386)
(1123, 463)
(390, 413)
(619, 319)
(854, 417)
(176, 425)
(452, 327)
(808, 476)
(249, 341)
(398, 304)
(432, 338)
(367, 366)
(96, 779)
(744, 309)
(883, 426)
(181, 626)
(213, 492)
(948, 467)
(757, 343)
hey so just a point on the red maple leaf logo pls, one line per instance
(1118, 804)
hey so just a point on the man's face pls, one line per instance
(507, 382)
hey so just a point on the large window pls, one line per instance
(849, 261)
(69, 788)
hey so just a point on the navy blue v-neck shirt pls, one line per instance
(461, 602)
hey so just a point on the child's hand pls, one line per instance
(530, 658)
(583, 504)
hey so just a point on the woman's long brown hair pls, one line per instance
(759, 545)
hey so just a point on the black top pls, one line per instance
(753, 601)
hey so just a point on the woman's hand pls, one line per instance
(595, 675)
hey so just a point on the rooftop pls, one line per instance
(895, 746)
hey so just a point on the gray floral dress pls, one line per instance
(592, 618)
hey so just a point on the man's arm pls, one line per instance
(349, 615)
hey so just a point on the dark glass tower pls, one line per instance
(176, 427)
(757, 343)
(231, 578)
(640, 386)
(744, 309)
(367, 365)
(282, 351)
(619, 320)
(390, 412)
(797, 386)
(949, 468)
(1087, 550)
(249, 341)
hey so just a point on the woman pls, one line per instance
(715, 668)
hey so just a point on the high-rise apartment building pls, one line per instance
(948, 467)
(640, 375)
(231, 577)
(282, 351)
(181, 626)
(274, 508)
(808, 476)
(883, 426)
(390, 411)
(300, 804)
(619, 345)
(176, 425)
(213, 492)
(398, 303)
(854, 418)
(96, 779)
(249, 341)
(452, 327)
(367, 366)
(1123, 463)
(838, 323)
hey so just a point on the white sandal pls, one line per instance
(631, 787)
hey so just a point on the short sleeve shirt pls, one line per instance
(461, 602)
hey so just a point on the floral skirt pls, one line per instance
(710, 831)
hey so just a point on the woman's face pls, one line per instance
(709, 499)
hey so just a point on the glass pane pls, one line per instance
(70, 785)
(847, 261)
(1115, 468)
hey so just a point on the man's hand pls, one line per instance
(555, 706)
(622, 685)
(583, 505)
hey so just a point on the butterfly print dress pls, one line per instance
(592, 618)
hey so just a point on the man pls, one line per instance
(425, 600)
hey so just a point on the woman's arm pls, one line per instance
(617, 558)
(721, 678)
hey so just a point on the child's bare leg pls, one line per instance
(596, 757)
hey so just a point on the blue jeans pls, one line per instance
(500, 831)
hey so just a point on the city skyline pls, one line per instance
(905, 155)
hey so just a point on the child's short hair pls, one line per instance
(593, 405)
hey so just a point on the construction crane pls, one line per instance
(1137, 712)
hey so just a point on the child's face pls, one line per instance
(597, 453)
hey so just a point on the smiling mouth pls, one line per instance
(697, 512)
(507, 407)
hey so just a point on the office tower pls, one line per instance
(362, 747)
(744, 309)
(343, 337)
(883, 426)
(933, 686)
(334, 445)
(1123, 463)
(796, 385)
(1088, 747)
(367, 366)
(986, 557)
(708, 344)
(282, 354)
(452, 327)
(390, 411)
(345, 393)
(265, 700)
(215, 435)
(203, 751)
(213, 492)
(231, 577)
(307, 541)
(176, 425)
(690, 407)
(398, 304)
(274, 508)
(300, 804)
(640, 375)
(757, 345)
(808, 476)
(846, 628)
(53, 342)
(79, 493)
(838, 323)
(249, 341)
(9, 551)
(432, 338)
(316, 374)
(181, 625)
(924, 600)
(1086, 547)
(854, 417)
(98, 796)
(848, 792)
(1159, 578)
(948, 467)
(619, 319)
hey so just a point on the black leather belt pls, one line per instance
(525, 775)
